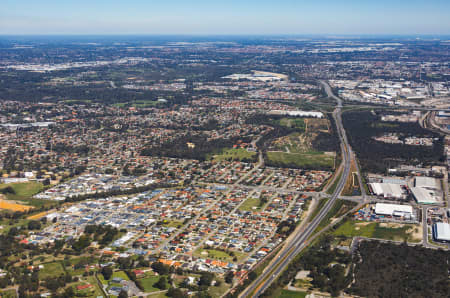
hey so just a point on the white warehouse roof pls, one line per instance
(387, 189)
(391, 209)
(427, 182)
(423, 196)
(441, 231)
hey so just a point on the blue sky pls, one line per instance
(225, 17)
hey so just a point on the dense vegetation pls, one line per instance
(201, 150)
(375, 156)
(327, 268)
(389, 270)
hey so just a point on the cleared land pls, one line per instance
(296, 149)
(388, 231)
(10, 205)
(301, 160)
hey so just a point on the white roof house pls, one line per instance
(393, 209)
(441, 231)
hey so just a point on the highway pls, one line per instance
(298, 242)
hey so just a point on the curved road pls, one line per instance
(298, 242)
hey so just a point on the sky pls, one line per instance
(225, 17)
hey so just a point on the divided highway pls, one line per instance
(298, 242)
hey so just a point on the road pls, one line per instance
(293, 247)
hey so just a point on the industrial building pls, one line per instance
(427, 182)
(424, 196)
(405, 211)
(441, 232)
(387, 190)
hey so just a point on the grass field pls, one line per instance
(94, 291)
(120, 274)
(249, 205)
(148, 282)
(297, 123)
(292, 294)
(54, 269)
(397, 232)
(301, 160)
(24, 191)
(339, 208)
(172, 223)
(8, 294)
(333, 186)
(218, 254)
(235, 154)
(220, 290)
(138, 104)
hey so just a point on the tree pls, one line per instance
(229, 277)
(176, 293)
(206, 279)
(34, 225)
(123, 294)
(160, 268)
(107, 272)
(161, 283)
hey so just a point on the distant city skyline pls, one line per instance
(201, 17)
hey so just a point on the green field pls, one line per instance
(148, 282)
(120, 274)
(399, 232)
(215, 291)
(310, 159)
(218, 254)
(333, 186)
(54, 269)
(95, 291)
(138, 104)
(339, 208)
(250, 203)
(292, 294)
(8, 294)
(297, 123)
(24, 191)
(240, 154)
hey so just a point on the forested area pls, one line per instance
(201, 149)
(327, 268)
(390, 270)
(376, 156)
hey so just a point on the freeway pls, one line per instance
(298, 242)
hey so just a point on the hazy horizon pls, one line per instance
(176, 17)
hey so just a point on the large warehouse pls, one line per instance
(387, 190)
(441, 232)
(405, 211)
(424, 196)
(427, 182)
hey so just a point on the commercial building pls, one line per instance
(441, 232)
(405, 211)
